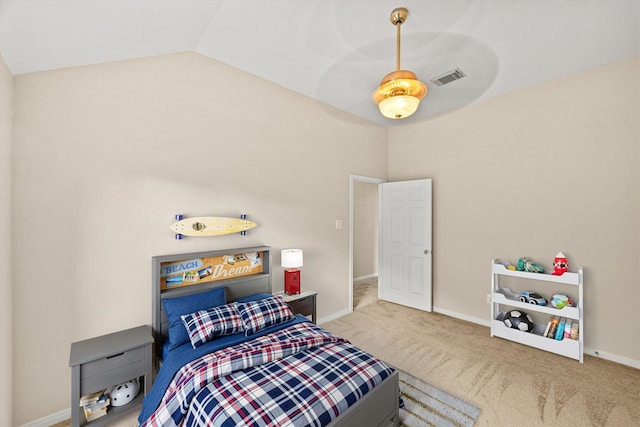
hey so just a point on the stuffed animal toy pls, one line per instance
(560, 265)
(525, 265)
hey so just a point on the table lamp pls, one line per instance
(291, 261)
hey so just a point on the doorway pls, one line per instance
(403, 210)
(364, 238)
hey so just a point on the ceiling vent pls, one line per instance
(449, 77)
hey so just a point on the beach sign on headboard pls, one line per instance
(175, 274)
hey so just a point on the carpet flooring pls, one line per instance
(512, 384)
(365, 292)
(425, 405)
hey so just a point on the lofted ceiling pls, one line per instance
(335, 51)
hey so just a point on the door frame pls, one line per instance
(352, 179)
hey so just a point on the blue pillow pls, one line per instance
(176, 307)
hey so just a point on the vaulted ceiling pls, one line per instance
(335, 51)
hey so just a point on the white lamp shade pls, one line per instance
(291, 258)
(399, 106)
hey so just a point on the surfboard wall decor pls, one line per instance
(210, 226)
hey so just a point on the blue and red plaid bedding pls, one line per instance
(299, 376)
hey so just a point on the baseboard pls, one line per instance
(592, 352)
(49, 420)
(368, 276)
(612, 357)
(334, 316)
(475, 320)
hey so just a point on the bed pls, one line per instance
(246, 359)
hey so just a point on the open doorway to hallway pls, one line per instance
(364, 248)
(365, 292)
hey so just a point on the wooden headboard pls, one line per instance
(191, 273)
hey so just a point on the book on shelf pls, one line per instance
(574, 330)
(91, 398)
(546, 331)
(567, 328)
(96, 410)
(560, 329)
(552, 326)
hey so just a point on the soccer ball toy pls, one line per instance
(520, 320)
(561, 301)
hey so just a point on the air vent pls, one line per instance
(449, 77)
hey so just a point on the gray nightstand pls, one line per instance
(102, 362)
(303, 303)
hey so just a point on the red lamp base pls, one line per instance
(292, 281)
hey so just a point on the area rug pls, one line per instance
(425, 405)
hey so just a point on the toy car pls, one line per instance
(532, 298)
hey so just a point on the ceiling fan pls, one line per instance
(400, 91)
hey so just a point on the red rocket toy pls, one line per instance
(560, 265)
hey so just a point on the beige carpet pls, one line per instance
(514, 385)
(423, 404)
(365, 292)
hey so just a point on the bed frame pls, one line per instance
(378, 408)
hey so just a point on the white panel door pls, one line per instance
(405, 267)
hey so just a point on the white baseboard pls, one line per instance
(368, 276)
(475, 320)
(612, 357)
(49, 420)
(592, 352)
(334, 316)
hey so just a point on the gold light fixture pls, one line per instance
(400, 91)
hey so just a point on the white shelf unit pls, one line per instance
(566, 347)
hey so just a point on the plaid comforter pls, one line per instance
(300, 376)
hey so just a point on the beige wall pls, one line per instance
(106, 155)
(365, 229)
(547, 169)
(6, 311)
